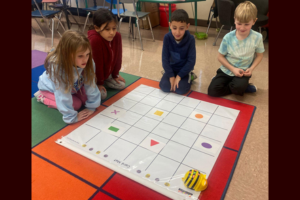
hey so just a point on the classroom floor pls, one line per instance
(250, 179)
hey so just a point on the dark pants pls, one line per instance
(183, 86)
(223, 84)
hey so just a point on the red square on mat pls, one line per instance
(127, 189)
(101, 196)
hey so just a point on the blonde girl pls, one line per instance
(69, 79)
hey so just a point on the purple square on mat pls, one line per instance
(37, 58)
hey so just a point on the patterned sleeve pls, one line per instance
(260, 45)
(223, 46)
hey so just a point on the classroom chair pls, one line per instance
(60, 7)
(91, 10)
(137, 15)
(226, 10)
(45, 14)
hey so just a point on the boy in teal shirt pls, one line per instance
(240, 52)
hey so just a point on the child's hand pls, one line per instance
(176, 82)
(120, 78)
(101, 87)
(238, 72)
(84, 114)
(248, 72)
(172, 80)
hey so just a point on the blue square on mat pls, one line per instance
(34, 88)
(36, 72)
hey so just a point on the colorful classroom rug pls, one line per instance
(59, 173)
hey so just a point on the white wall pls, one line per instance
(203, 7)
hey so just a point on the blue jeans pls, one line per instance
(183, 88)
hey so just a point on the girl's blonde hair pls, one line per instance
(63, 58)
(245, 12)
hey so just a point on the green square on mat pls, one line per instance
(114, 129)
(44, 121)
(129, 80)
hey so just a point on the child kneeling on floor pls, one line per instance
(69, 79)
(106, 45)
(178, 55)
(240, 52)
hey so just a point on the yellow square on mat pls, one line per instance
(159, 113)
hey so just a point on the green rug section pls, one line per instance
(44, 121)
(129, 80)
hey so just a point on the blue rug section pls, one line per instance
(36, 72)
(34, 88)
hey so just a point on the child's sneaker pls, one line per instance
(193, 76)
(251, 88)
(39, 96)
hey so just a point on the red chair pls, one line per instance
(265, 31)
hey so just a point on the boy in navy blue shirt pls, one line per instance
(178, 55)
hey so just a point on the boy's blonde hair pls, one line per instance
(63, 57)
(245, 12)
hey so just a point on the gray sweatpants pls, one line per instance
(111, 83)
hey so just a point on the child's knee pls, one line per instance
(165, 85)
(213, 91)
(115, 85)
(121, 85)
(182, 90)
(103, 94)
(238, 89)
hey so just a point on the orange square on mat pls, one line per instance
(83, 167)
(50, 182)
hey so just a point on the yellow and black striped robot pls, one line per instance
(194, 180)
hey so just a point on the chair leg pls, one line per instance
(209, 23)
(73, 18)
(60, 24)
(214, 44)
(59, 18)
(87, 17)
(132, 31)
(39, 27)
(120, 24)
(129, 27)
(33, 29)
(52, 32)
(150, 28)
(49, 23)
(137, 21)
